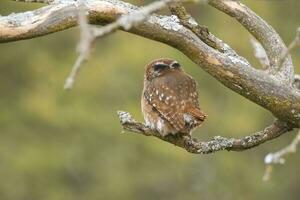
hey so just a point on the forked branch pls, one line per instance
(264, 33)
(272, 90)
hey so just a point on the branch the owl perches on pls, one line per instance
(218, 143)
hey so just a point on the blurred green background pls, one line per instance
(58, 145)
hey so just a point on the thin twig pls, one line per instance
(278, 157)
(89, 35)
(264, 33)
(218, 143)
(126, 22)
(83, 48)
(294, 44)
(260, 53)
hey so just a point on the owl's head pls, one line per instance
(161, 67)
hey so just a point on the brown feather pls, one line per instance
(197, 113)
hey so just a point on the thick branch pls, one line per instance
(229, 68)
(263, 32)
(218, 143)
(90, 34)
(189, 22)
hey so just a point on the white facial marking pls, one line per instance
(159, 63)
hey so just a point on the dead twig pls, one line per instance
(89, 35)
(260, 53)
(293, 44)
(278, 157)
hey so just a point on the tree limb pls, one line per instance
(84, 47)
(189, 22)
(260, 53)
(229, 68)
(263, 32)
(292, 45)
(218, 143)
(278, 157)
(89, 35)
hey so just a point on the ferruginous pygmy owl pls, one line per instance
(170, 99)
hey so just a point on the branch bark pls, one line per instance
(264, 33)
(218, 143)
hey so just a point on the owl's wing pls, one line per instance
(196, 113)
(162, 98)
(191, 105)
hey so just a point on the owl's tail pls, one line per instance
(197, 113)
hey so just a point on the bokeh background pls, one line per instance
(59, 145)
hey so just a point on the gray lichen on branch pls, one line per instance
(90, 34)
(218, 143)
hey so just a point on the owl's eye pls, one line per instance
(159, 66)
(175, 65)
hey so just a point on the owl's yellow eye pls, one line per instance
(160, 66)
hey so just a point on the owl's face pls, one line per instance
(161, 67)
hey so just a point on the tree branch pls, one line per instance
(260, 53)
(89, 35)
(189, 22)
(294, 44)
(263, 32)
(87, 38)
(218, 143)
(278, 157)
(227, 67)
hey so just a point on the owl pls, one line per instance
(170, 99)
